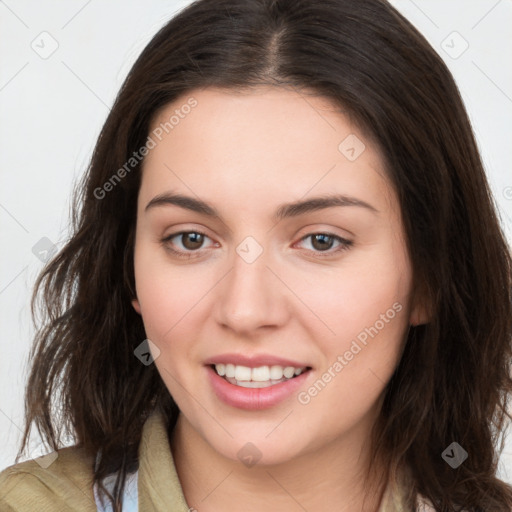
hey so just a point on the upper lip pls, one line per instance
(254, 361)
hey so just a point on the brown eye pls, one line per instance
(321, 241)
(192, 240)
(185, 243)
(327, 243)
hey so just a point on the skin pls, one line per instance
(246, 154)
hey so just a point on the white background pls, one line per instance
(51, 111)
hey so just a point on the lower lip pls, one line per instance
(254, 398)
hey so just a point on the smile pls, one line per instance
(259, 377)
(257, 382)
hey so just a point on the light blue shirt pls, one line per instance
(130, 494)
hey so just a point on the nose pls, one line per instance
(251, 298)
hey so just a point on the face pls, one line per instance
(274, 324)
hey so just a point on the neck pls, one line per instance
(331, 478)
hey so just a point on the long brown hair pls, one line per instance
(453, 381)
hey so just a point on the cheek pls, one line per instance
(358, 360)
(166, 292)
(169, 295)
(363, 305)
(352, 296)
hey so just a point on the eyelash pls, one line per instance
(345, 244)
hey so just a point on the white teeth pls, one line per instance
(289, 372)
(230, 370)
(242, 373)
(276, 372)
(262, 376)
(253, 384)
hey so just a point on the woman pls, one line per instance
(287, 287)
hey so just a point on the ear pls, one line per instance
(136, 305)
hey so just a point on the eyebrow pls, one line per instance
(283, 211)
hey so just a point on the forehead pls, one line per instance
(268, 141)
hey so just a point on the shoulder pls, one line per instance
(61, 480)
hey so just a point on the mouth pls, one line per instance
(258, 377)
(255, 383)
